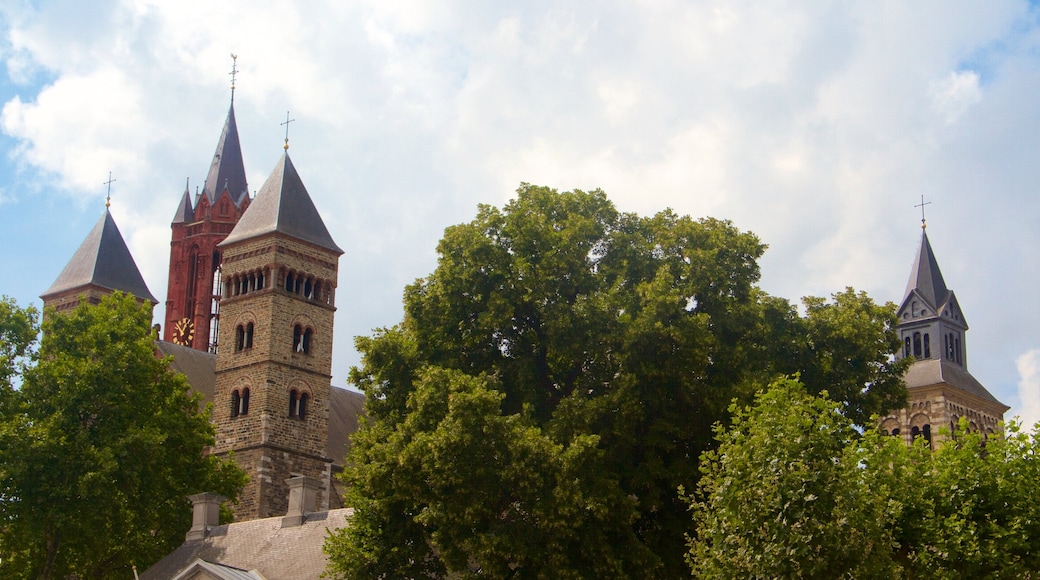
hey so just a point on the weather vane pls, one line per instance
(286, 123)
(921, 205)
(108, 196)
(233, 73)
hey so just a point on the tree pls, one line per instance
(793, 491)
(635, 331)
(18, 329)
(787, 495)
(99, 449)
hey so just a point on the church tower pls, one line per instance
(274, 365)
(101, 265)
(933, 330)
(193, 295)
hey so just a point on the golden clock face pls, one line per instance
(183, 331)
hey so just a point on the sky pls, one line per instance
(819, 126)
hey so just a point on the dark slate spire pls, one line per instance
(227, 169)
(283, 206)
(925, 276)
(184, 212)
(103, 260)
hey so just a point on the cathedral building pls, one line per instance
(933, 331)
(249, 321)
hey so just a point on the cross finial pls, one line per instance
(921, 205)
(233, 73)
(286, 123)
(108, 196)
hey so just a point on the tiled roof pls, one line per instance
(283, 206)
(227, 170)
(277, 553)
(102, 260)
(931, 372)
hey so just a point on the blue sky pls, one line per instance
(817, 127)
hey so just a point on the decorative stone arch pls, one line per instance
(921, 424)
(890, 426)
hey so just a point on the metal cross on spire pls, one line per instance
(108, 196)
(286, 123)
(233, 73)
(921, 205)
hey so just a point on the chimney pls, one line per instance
(303, 496)
(205, 515)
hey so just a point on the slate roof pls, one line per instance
(276, 553)
(184, 213)
(200, 367)
(926, 278)
(202, 569)
(102, 260)
(345, 406)
(283, 206)
(930, 372)
(227, 170)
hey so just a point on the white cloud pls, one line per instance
(1028, 364)
(956, 94)
(815, 125)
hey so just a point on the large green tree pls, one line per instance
(794, 491)
(598, 331)
(99, 447)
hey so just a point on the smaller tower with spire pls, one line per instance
(932, 327)
(100, 266)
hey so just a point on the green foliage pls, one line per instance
(18, 330)
(786, 495)
(99, 449)
(595, 331)
(793, 491)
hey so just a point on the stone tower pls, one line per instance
(101, 265)
(933, 329)
(274, 365)
(193, 295)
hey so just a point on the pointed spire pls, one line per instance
(227, 168)
(184, 213)
(102, 260)
(283, 206)
(925, 276)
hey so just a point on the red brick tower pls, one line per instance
(193, 295)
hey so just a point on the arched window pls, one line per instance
(249, 335)
(308, 289)
(308, 335)
(289, 282)
(260, 280)
(298, 404)
(906, 347)
(917, 344)
(236, 401)
(243, 408)
(297, 339)
(926, 432)
(914, 432)
(927, 346)
(240, 338)
(895, 432)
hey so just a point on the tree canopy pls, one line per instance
(793, 491)
(99, 446)
(601, 346)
